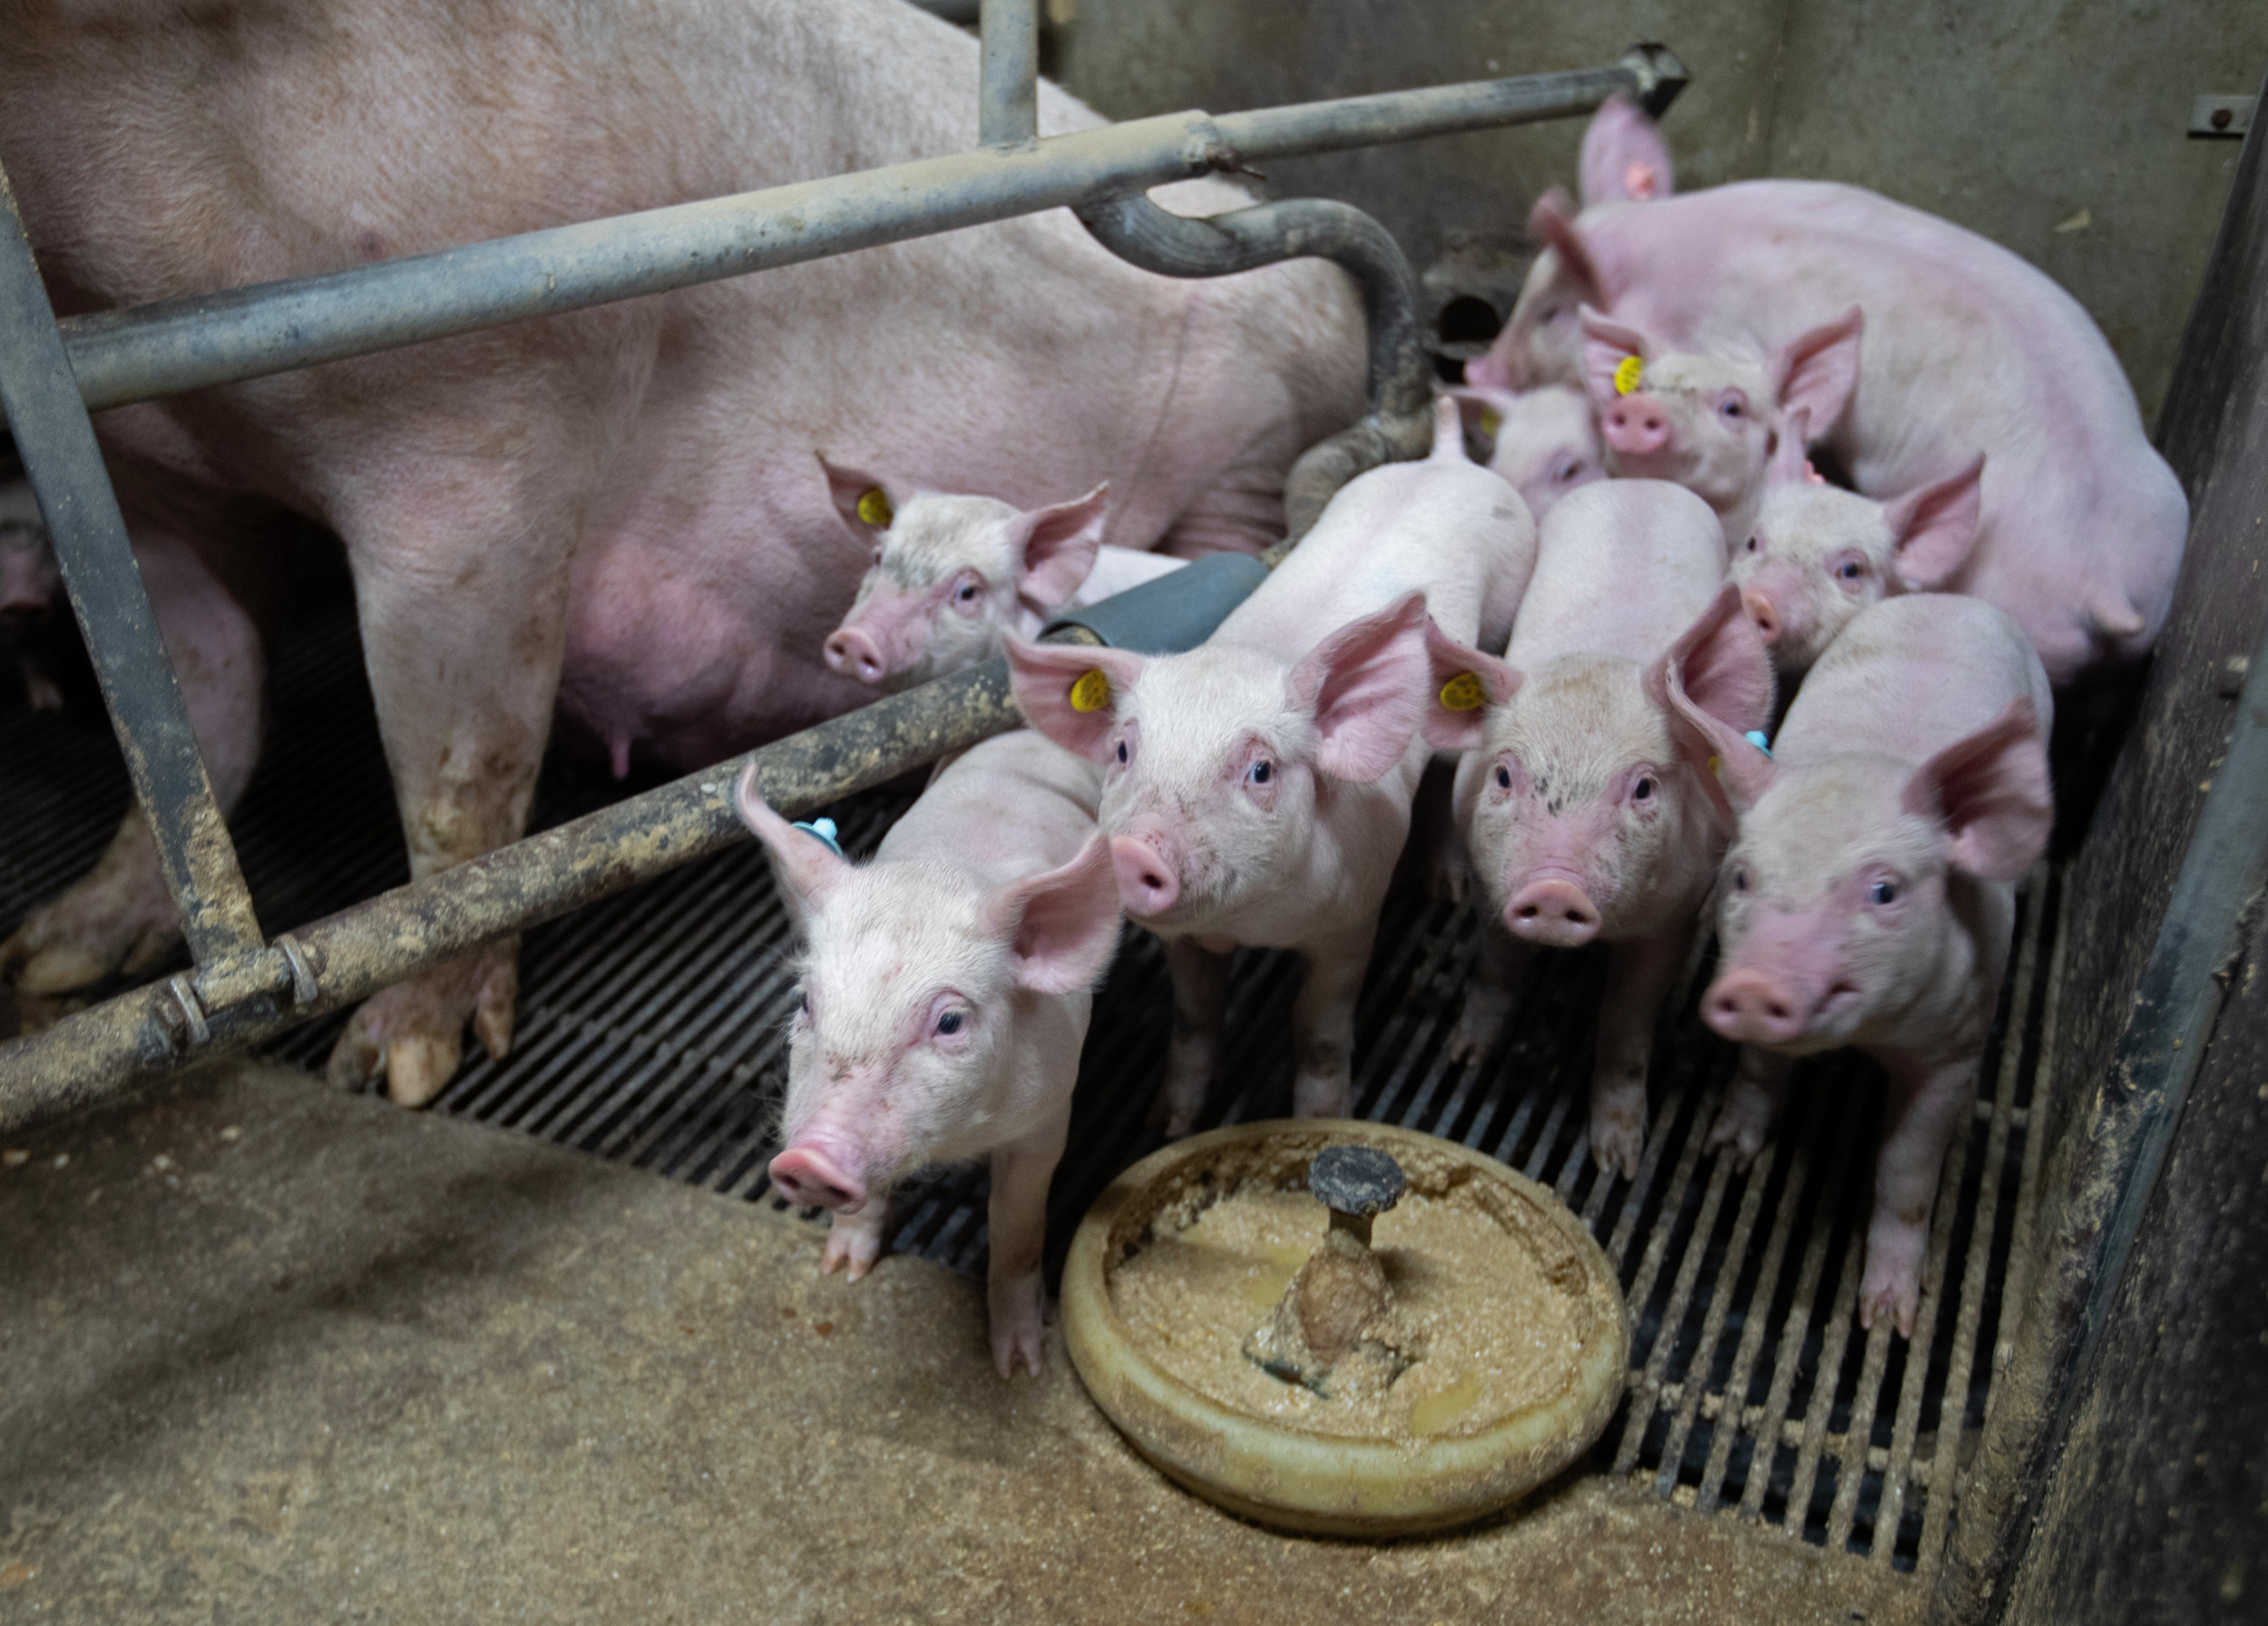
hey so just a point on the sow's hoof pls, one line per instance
(413, 1033)
(118, 920)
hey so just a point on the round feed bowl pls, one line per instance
(1297, 1479)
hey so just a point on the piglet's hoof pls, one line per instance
(413, 1033)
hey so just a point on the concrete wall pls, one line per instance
(2055, 128)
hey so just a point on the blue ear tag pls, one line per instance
(1755, 736)
(823, 829)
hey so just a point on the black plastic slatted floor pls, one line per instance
(651, 1032)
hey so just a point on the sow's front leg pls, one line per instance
(462, 629)
(120, 918)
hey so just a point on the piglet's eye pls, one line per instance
(1121, 751)
(1643, 791)
(1751, 544)
(1503, 777)
(1733, 409)
(1883, 892)
(967, 592)
(1740, 880)
(1849, 570)
(950, 1023)
(1262, 771)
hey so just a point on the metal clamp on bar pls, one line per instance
(243, 988)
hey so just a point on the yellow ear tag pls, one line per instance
(1629, 373)
(1716, 766)
(1091, 692)
(1464, 693)
(873, 508)
(1491, 420)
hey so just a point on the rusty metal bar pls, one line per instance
(66, 467)
(137, 1035)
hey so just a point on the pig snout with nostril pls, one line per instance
(1636, 425)
(1762, 611)
(1149, 882)
(851, 652)
(1749, 1007)
(1554, 912)
(807, 1176)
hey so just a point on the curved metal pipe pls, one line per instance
(1397, 419)
(1397, 422)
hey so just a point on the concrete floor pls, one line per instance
(277, 1353)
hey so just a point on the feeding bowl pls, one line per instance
(1511, 1318)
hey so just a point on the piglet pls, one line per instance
(1544, 441)
(1257, 787)
(1713, 419)
(1583, 798)
(1818, 554)
(31, 586)
(1869, 896)
(952, 574)
(946, 995)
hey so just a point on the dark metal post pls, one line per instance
(1008, 110)
(57, 442)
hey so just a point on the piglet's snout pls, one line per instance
(1635, 425)
(1148, 880)
(1753, 1007)
(850, 651)
(1554, 912)
(1763, 613)
(808, 1178)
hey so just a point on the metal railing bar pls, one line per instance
(194, 343)
(65, 465)
(1008, 73)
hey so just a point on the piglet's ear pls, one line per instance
(865, 504)
(1991, 789)
(1623, 155)
(1819, 369)
(1480, 410)
(807, 868)
(1790, 463)
(1936, 528)
(1721, 664)
(1058, 546)
(1606, 345)
(1070, 692)
(1365, 686)
(1551, 224)
(1063, 925)
(1462, 685)
(1715, 683)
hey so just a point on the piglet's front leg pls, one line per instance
(1743, 1123)
(1201, 1001)
(1017, 1221)
(1639, 975)
(1496, 972)
(1323, 1027)
(1925, 1108)
(857, 1240)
